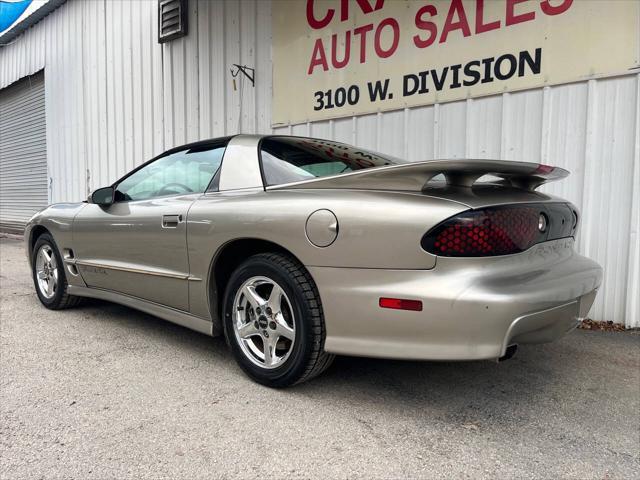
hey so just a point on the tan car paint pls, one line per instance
(129, 248)
(58, 220)
(368, 238)
(469, 304)
(473, 307)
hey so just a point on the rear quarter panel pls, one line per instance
(376, 229)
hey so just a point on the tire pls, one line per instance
(294, 360)
(59, 298)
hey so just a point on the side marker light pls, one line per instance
(400, 304)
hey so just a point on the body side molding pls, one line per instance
(157, 273)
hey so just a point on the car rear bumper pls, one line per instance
(472, 308)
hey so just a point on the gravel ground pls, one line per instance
(103, 391)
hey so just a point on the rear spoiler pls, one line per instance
(415, 176)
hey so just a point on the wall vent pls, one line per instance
(172, 19)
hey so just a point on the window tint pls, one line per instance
(187, 171)
(292, 159)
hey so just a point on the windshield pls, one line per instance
(293, 159)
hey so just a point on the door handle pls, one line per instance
(171, 221)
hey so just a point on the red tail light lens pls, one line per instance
(499, 230)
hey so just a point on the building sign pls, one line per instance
(14, 11)
(336, 58)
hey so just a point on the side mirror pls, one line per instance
(103, 196)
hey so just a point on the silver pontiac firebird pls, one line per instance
(297, 249)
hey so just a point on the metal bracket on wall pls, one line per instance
(246, 71)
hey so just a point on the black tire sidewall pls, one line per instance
(53, 302)
(295, 366)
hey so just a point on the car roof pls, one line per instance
(198, 144)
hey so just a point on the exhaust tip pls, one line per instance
(509, 353)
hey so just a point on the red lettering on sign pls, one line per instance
(557, 9)
(482, 27)
(313, 21)
(364, 5)
(428, 27)
(318, 23)
(393, 23)
(318, 57)
(362, 33)
(449, 25)
(513, 18)
(334, 49)
(423, 24)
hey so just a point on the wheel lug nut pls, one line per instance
(269, 311)
(256, 324)
(266, 334)
(258, 311)
(272, 325)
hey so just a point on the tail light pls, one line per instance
(502, 230)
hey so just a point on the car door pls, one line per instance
(138, 245)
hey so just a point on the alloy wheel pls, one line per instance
(263, 322)
(47, 271)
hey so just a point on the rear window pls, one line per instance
(294, 159)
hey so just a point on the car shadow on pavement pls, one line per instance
(520, 398)
(150, 326)
(537, 373)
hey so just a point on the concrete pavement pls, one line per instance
(102, 391)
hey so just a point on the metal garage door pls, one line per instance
(23, 152)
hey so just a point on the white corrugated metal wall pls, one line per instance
(115, 98)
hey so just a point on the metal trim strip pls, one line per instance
(84, 263)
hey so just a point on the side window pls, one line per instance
(187, 171)
(293, 159)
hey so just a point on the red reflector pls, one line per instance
(401, 304)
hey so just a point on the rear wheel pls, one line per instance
(273, 321)
(48, 275)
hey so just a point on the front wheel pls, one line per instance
(48, 275)
(273, 321)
